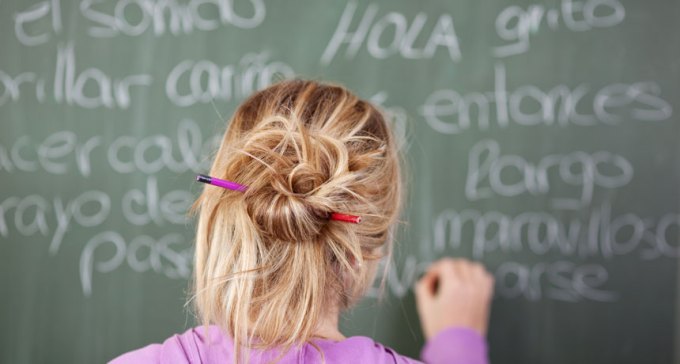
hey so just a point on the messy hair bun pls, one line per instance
(298, 180)
(269, 261)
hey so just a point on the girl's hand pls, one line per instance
(454, 293)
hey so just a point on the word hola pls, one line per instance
(401, 40)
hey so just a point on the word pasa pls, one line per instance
(108, 251)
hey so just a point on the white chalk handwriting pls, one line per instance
(490, 174)
(137, 17)
(65, 152)
(185, 84)
(597, 234)
(516, 25)
(449, 112)
(392, 34)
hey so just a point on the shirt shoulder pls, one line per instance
(355, 349)
(210, 345)
(196, 345)
(456, 345)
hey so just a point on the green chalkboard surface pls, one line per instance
(541, 137)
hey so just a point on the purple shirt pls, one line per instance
(451, 346)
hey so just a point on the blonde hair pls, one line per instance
(268, 261)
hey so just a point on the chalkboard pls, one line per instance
(541, 140)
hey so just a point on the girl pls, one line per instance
(277, 258)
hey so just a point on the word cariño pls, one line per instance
(136, 17)
(185, 84)
(449, 112)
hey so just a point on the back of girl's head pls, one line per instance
(269, 261)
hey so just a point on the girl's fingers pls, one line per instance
(425, 287)
(448, 273)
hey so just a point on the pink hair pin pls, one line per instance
(221, 183)
(241, 188)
